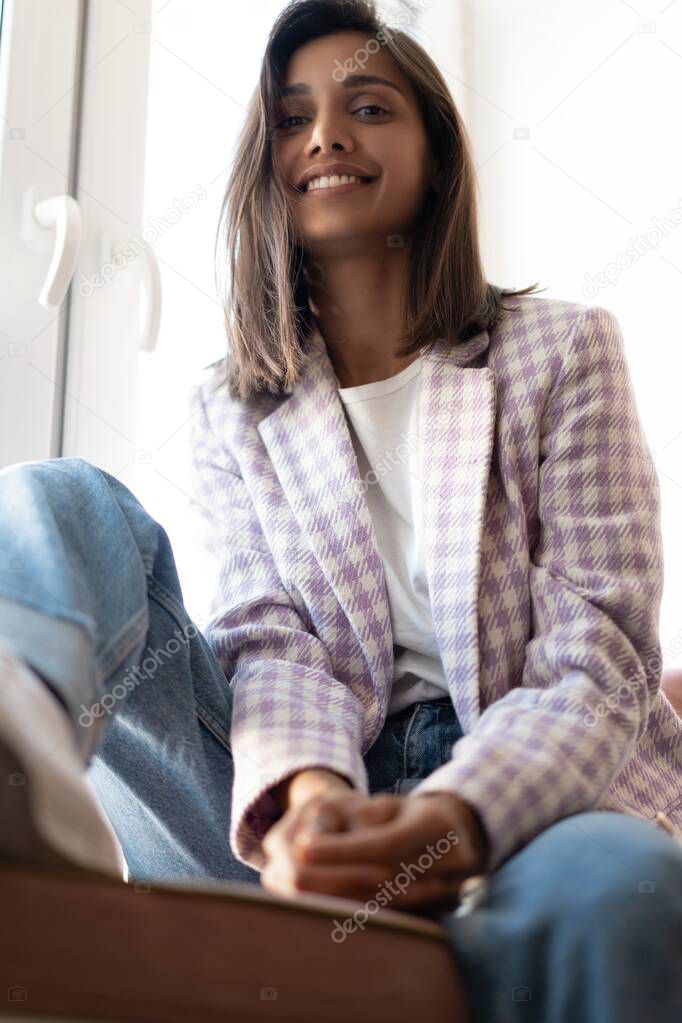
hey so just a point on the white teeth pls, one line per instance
(332, 182)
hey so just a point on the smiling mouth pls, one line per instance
(328, 190)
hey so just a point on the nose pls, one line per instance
(327, 136)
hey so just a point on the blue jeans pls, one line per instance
(583, 924)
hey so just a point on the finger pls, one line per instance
(314, 819)
(390, 841)
(307, 819)
(285, 877)
(375, 810)
(332, 811)
(363, 813)
(411, 831)
(434, 892)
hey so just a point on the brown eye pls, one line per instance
(371, 106)
(292, 117)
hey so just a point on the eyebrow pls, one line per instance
(349, 82)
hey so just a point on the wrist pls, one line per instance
(467, 818)
(300, 786)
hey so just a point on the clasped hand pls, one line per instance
(348, 844)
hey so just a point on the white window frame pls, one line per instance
(39, 95)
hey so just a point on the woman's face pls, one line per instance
(333, 116)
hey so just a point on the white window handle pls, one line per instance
(151, 292)
(61, 213)
(148, 279)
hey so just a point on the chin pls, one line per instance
(344, 236)
(330, 230)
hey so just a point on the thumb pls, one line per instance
(315, 820)
(374, 810)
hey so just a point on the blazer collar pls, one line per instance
(309, 443)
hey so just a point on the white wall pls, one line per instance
(573, 108)
(204, 64)
(573, 111)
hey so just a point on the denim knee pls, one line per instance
(75, 466)
(113, 504)
(613, 869)
(586, 918)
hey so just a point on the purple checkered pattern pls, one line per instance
(545, 569)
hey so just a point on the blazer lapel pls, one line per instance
(310, 446)
(457, 416)
(311, 450)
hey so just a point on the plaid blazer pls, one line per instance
(544, 562)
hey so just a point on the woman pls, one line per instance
(435, 521)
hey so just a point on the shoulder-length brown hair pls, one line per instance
(267, 316)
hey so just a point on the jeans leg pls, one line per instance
(412, 744)
(584, 923)
(385, 759)
(90, 598)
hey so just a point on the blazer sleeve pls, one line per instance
(552, 746)
(288, 710)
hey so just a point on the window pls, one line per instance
(132, 110)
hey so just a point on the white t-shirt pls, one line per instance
(383, 419)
